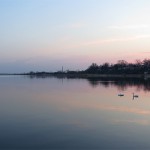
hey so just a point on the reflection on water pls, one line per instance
(52, 113)
(122, 84)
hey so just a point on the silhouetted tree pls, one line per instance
(104, 68)
(93, 68)
(146, 64)
(121, 67)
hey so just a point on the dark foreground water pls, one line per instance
(73, 114)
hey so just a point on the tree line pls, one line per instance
(121, 67)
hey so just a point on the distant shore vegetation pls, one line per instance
(121, 67)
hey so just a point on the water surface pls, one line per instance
(52, 113)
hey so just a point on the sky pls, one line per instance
(44, 35)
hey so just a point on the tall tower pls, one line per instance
(62, 69)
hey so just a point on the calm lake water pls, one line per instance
(73, 114)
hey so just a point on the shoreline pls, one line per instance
(82, 75)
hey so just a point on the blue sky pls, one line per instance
(46, 34)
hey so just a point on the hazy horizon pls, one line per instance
(44, 35)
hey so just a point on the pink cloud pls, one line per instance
(101, 41)
(129, 27)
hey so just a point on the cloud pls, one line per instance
(145, 52)
(68, 43)
(129, 27)
(101, 41)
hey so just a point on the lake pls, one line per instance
(74, 114)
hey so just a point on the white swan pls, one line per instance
(120, 94)
(135, 96)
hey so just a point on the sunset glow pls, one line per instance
(46, 34)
